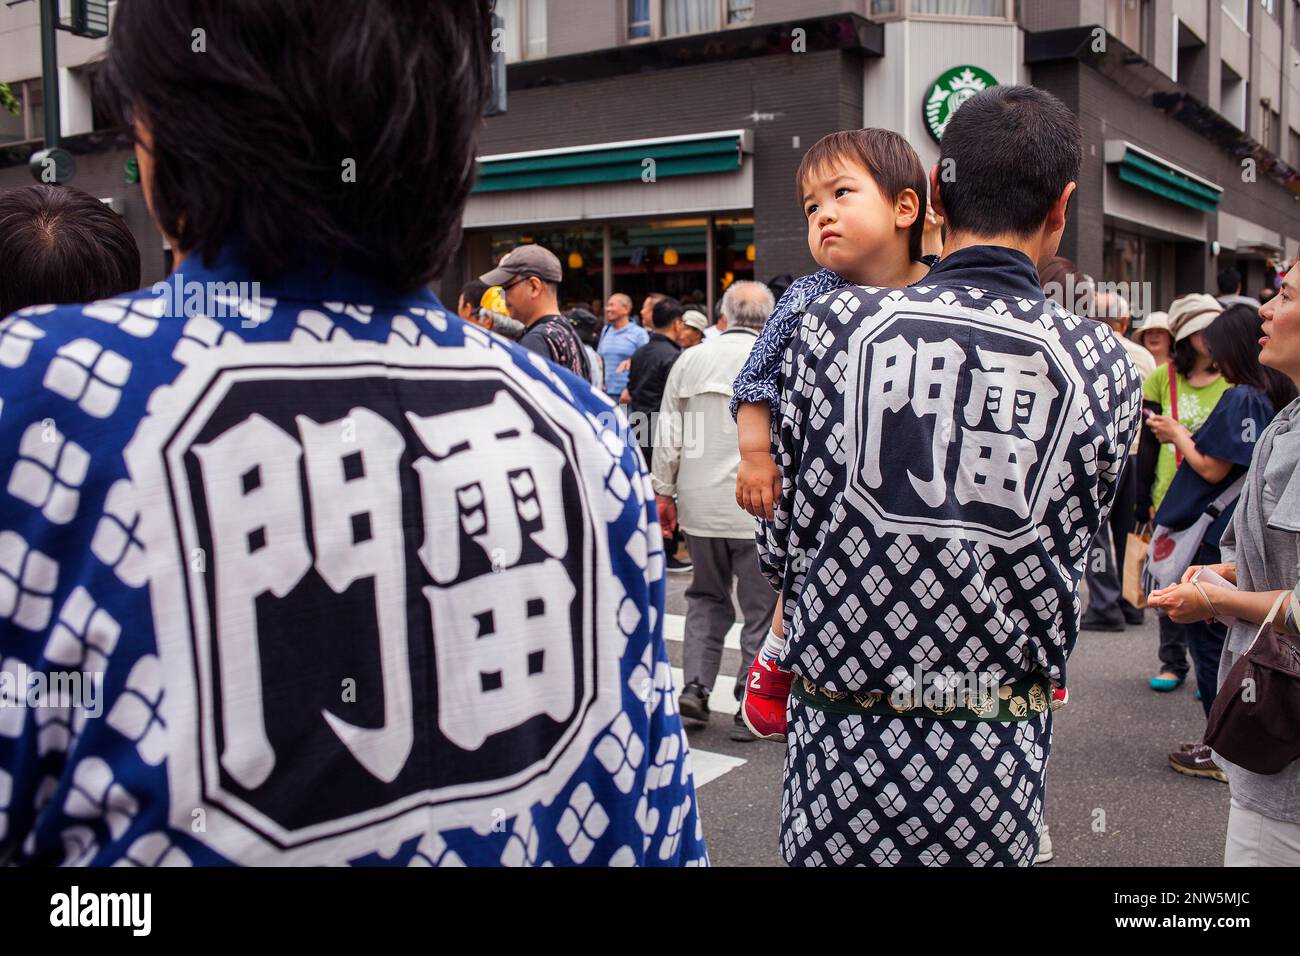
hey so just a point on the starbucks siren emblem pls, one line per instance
(953, 88)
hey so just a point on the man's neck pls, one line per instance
(620, 324)
(1030, 246)
(543, 310)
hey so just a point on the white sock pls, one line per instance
(773, 645)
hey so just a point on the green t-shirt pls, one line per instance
(1194, 407)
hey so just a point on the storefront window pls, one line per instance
(664, 255)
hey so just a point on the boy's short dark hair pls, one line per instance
(59, 245)
(472, 292)
(1006, 155)
(258, 137)
(666, 311)
(887, 156)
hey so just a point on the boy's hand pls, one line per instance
(667, 508)
(758, 484)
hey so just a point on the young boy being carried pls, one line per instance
(863, 193)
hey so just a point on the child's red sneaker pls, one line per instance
(767, 689)
(1060, 697)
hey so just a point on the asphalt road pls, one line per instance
(1112, 799)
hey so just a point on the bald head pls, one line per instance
(618, 309)
(747, 304)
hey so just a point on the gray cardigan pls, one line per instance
(1264, 541)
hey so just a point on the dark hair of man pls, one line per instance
(1229, 281)
(59, 245)
(256, 138)
(1232, 339)
(666, 311)
(887, 156)
(1006, 156)
(472, 292)
(586, 324)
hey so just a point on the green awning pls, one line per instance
(1146, 172)
(626, 163)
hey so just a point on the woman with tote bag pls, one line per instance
(1260, 556)
(1201, 498)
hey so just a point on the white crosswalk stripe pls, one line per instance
(675, 628)
(708, 767)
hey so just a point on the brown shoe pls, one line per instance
(1197, 762)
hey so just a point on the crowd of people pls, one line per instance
(398, 572)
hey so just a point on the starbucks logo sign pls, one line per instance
(953, 88)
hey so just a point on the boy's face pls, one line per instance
(852, 226)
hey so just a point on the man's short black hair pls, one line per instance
(1229, 281)
(666, 311)
(320, 133)
(1006, 155)
(59, 245)
(472, 292)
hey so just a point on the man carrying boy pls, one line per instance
(947, 452)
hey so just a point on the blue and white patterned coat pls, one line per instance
(343, 580)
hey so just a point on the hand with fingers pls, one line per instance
(758, 484)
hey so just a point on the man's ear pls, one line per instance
(936, 200)
(906, 208)
(1056, 216)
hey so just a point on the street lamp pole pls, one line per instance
(50, 71)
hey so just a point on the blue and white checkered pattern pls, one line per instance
(98, 578)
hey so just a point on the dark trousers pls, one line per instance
(1104, 570)
(1204, 640)
(710, 611)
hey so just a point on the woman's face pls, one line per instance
(1159, 343)
(1198, 343)
(1280, 343)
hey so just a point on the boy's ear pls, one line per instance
(936, 200)
(906, 208)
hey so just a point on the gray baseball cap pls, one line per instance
(530, 260)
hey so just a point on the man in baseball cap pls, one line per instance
(529, 276)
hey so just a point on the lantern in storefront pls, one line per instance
(670, 257)
(749, 252)
(575, 260)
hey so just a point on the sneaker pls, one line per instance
(1165, 682)
(676, 565)
(1060, 697)
(740, 732)
(693, 703)
(1197, 763)
(1045, 854)
(767, 690)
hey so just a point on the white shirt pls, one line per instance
(696, 452)
(1145, 363)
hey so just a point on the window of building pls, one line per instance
(1293, 157)
(1126, 21)
(29, 122)
(885, 8)
(1273, 8)
(653, 19)
(959, 8)
(638, 19)
(523, 29)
